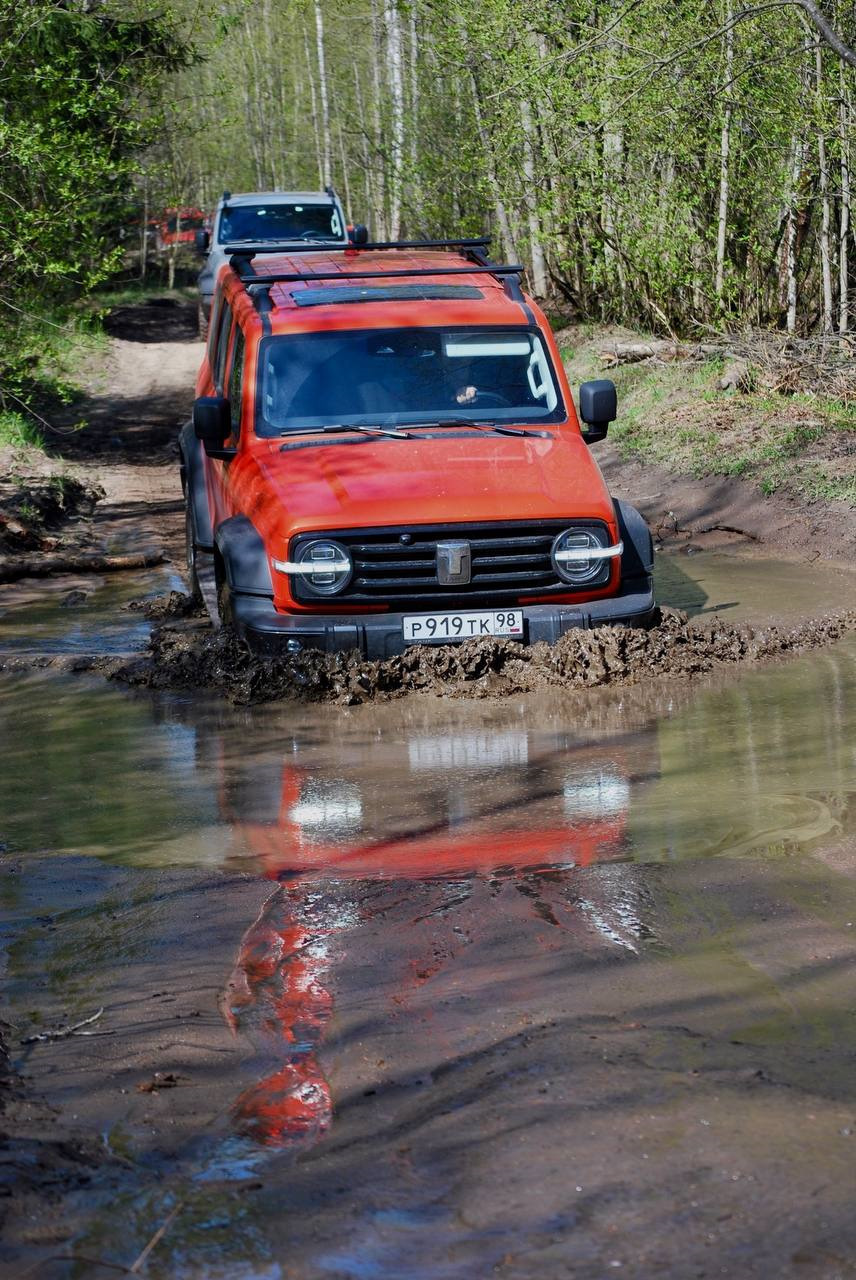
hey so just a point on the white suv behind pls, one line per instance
(254, 217)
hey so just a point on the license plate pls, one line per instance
(460, 626)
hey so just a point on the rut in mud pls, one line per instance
(178, 659)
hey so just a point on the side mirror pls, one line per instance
(212, 424)
(358, 234)
(202, 240)
(598, 407)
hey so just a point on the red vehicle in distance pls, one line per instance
(179, 226)
(385, 451)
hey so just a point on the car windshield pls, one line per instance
(280, 222)
(404, 376)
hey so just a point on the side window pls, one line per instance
(213, 323)
(236, 382)
(223, 329)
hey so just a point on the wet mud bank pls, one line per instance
(495, 668)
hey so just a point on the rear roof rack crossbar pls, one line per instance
(249, 250)
(473, 249)
(292, 277)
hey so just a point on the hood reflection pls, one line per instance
(452, 805)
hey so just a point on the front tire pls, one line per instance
(190, 555)
(224, 596)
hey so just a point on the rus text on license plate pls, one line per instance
(460, 626)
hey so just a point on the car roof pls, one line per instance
(364, 294)
(278, 197)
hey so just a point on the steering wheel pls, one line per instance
(490, 397)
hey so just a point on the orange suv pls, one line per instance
(384, 451)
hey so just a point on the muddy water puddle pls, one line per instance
(540, 987)
(80, 614)
(748, 589)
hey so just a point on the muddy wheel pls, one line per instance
(202, 322)
(190, 555)
(224, 597)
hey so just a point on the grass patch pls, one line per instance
(19, 431)
(676, 415)
(44, 354)
(128, 294)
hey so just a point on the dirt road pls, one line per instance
(557, 984)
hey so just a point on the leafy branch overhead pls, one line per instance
(79, 103)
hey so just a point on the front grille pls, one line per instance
(509, 560)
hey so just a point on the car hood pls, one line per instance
(330, 484)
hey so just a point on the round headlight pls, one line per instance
(324, 568)
(571, 558)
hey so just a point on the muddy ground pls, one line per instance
(545, 972)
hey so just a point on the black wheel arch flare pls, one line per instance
(244, 557)
(195, 488)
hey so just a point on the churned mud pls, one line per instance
(178, 659)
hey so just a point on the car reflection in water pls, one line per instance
(457, 807)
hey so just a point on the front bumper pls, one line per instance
(380, 635)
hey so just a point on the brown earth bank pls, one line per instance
(721, 512)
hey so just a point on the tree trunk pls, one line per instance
(500, 211)
(326, 155)
(613, 162)
(173, 251)
(844, 222)
(790, 245)
(372, 200)
(825, 257)
(379, 208)
(144, 231)
(536, 250)
(345, 172)
(724, 152)
(45, 566)
(313, 100)
(396, 84)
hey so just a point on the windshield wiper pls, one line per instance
(366, 429)
(480, 424)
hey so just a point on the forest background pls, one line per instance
(678, 165)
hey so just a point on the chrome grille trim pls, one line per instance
(510, 560)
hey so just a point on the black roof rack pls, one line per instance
(473, 249)
(250, 249)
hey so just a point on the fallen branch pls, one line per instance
(62, 1033)
(615, 353)
(47, 566)
(156, 1239)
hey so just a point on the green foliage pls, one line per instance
(79, 91)
(77, 102)
(589, 133)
